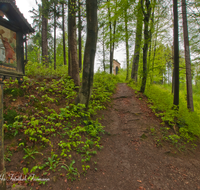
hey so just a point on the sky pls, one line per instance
(26, 5)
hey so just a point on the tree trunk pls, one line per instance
(54, 36)
(89, 54)
(63, 28)
(150, 39)
(74, 67)
(113, 43)
(69, 35)
(173, 81)
(138, 40)
(187, 58)
(110, 26)
(79, 35)
(146, 43)
(104, 65)
(176, 55)
(44, 35)
(127, 48)
(154, 54)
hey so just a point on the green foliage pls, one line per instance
(162, 103)
(35, 69)
(103, 87)
(30, 153)
(46, 119)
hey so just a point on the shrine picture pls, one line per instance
(7, 47)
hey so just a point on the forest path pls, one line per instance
(129, 162)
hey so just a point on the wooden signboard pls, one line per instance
(13, 30)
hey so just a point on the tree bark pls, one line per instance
(89, 54)
(54, 36)
(154, 53)
(187, 59)
(74, 67)
(127, 48)
(176, 55)
(146, 42)
(69, 35)
(113, 43)
(104, 65)
(44, 35)
(138, 39)
(110, 26)
(79, 36)
(63, 29)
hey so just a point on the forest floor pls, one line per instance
(133, 157)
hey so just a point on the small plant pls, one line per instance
(7, 156)
(174, 139)
(72, 171)
(30, 153)
(25, 171)
(153, 131)
(52, 162)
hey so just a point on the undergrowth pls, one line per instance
(50, 132)
(160, 100)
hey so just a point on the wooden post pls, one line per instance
(2, 164)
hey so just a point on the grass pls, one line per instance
(160, 100)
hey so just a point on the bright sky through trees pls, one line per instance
(25, 6)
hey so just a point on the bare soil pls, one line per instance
(130, 159)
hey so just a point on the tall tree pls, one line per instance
(126, 37)
(73, 57)
(104, 57)
(176, 54)
(63, 30)
(138, 39)
(146, 14)
(89, 54)
(187, 58)
(112, 27)
(55, 26)
(44, 32)
(79, 35)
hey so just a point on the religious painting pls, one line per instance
(7, 47)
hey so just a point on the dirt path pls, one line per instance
(128, 162)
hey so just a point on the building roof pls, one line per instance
(116, 61)
(9, 8)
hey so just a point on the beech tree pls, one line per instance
(89, 54)
(63, 30)
(72, 40)
(147, 15)
(79, 35)
(176, 54)
(138, 39)
(44, 32)
(187, 58)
